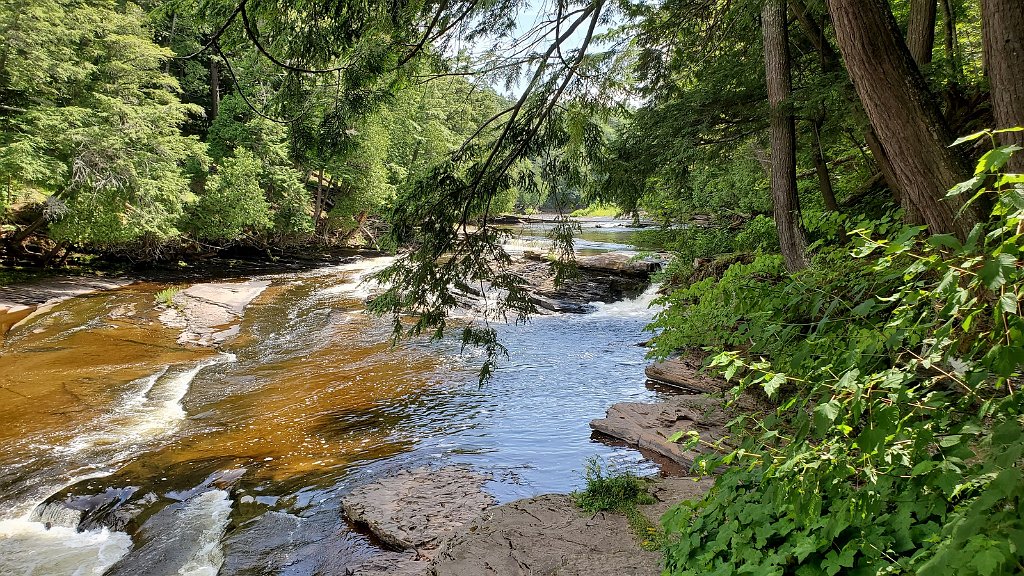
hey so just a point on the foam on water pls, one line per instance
(44, 540)
(639, 307)
(207, 516)
(152, 412)
(356, 274)
(30, 549)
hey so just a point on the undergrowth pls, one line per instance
(897, 445)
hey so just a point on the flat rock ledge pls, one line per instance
(544, 536)
(416, 509)
(209, 313)
(20, 302)
(447, 526)
(649, 426)
(685, 373)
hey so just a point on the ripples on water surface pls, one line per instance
(100, 405)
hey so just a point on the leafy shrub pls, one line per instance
(898, 442)
(758, 235)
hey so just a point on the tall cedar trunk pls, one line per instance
(1002, 27)
(921, 31)
(214, 88)
(949, 41)
(821, 169)
(901, 111)
(911, 215)
(783, 136)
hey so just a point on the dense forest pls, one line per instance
(839, 181)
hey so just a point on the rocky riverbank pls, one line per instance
(442, 523)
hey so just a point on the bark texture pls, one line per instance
(1002, 26)
(950, 42)
(911, 215)
(902, 112)
(783, 136)
(921, 31)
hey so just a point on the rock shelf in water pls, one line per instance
(447, 511)
(649, 426)
(415, 509)
(209, 313)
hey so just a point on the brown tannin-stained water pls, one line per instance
(122, 452)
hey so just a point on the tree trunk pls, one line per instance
(170, 41)
(783, 136)
(815, 34)
(214, 88)
(1002, 28)
(318, 201)
(821, 169)
(921, 31)
(911, 215)
(950, 42)
(905, 118)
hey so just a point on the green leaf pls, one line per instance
(945, 241)
(996, 270)
(969, 137)
(995, 159)
(988, 561)
(771, 386)
(865, 307)
(829, 410)
(966, 186)
(1008, 303)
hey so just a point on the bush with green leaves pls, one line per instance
(897, 445)
(233, 202)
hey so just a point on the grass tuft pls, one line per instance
(614, 491)
(165, 297)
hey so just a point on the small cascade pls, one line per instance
(209, 515)
(185, 538)
(639, 307)
(357, 282)
(56, 514)
(45, 538)
(29, 548)
(152, 412)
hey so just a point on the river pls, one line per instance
(122, 452)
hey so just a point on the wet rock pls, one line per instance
(649, 426)
(619, 263)
(546, 535)
(182, 538)
(414, 510)
(684, 372)
(668, 492)
(49, 291)
(20, 303)
(575, 294)
(209, 313)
